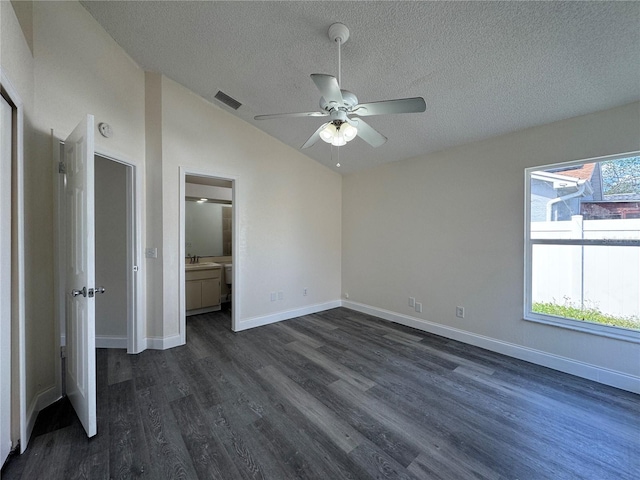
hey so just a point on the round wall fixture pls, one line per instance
(105, 130)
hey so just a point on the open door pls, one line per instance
(5, 280)
(80, 273)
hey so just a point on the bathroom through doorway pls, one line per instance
(208, 237)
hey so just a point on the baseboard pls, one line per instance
(41, 400)
(286, 315)
(163, 343)
(606, 376)
(105, 341)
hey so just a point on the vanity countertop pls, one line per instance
(202, 266)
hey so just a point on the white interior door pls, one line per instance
(5, 279)
(80, 273)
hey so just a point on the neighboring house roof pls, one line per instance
(582, 172)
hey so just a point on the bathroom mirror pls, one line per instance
(207, 228)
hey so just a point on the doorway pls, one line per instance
(120, 320)
(6, 161)
(191, 182)
(13, 409)
(113, 209)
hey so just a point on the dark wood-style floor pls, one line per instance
(335, 395)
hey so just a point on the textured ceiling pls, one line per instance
(484, 68)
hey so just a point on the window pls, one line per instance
(582, 245)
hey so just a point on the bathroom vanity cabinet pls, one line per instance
(202, 288)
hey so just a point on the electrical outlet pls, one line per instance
(151, 252)
(346, 295)
(412, 302)
(280, 295)
(460, 312)
(418, 307)
(304, 292)
(273, 296)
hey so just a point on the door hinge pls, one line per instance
(62, 168)
(63, 351)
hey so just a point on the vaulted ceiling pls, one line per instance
(483, 68)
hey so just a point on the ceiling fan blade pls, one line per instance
(290, 115)
(328, 86)
(402, 105)
(368, 133)
(314, 138)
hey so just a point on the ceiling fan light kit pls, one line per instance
(338, 104)
(338, 135)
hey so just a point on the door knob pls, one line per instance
(100, 289)
(83, 292)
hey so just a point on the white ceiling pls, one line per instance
(484, 68)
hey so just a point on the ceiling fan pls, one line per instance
(338, 105)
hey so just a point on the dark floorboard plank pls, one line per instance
(388, 441)
(89, 467)
(297, 335)
(119, 366)
(129, 457)
(145, 368)
(229, 432)
(198, 378)
(422, 436)
(444, 395)
(167, 453)
(210, 459)
(342, 434)
(316, 321)
(173, 379)
(301, 461)
(50, 452)
(339, 370)
(296, 366)
(378, 464)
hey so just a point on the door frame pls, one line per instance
(136, 322)
(235, 281)
(18, 262)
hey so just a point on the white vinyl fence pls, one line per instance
(606, 277)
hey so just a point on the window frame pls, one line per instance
(567, 323)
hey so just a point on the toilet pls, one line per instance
(228, 273)
(228, 276)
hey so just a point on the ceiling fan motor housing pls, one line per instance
(349, 100)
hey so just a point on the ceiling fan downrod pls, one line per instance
(339, 33)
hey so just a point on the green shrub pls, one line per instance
(586, 314)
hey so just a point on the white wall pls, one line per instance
(447, 229)
(289, 206)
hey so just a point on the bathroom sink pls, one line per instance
(201, 266)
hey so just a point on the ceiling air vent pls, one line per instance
(227, 100)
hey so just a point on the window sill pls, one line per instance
(586, 327)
